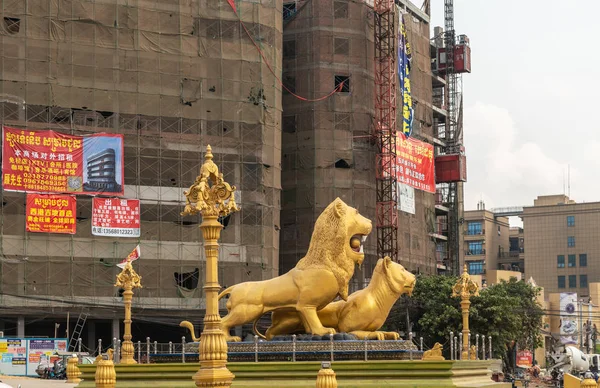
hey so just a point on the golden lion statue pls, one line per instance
(473, 353)
(434, 354)
(362, 314)
(336, 246)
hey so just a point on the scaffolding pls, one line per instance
(171, 77)
(328, 146)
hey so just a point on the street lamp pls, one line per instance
(212, 197)
(128, 279)
(465, 288)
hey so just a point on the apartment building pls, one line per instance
(562, 243)
(486, 240)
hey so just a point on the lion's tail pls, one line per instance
(190, 327)
(225, 292)
(255, 329)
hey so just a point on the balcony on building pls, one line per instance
(513, 260)
(440, 207)
(440, 228)
(441, 255)
(474, 252)
(475, 267)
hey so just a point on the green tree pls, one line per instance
(506, 311)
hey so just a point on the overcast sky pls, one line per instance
(531, 99)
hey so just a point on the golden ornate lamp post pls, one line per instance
(465, 288)
(128, 279)
(212, 197)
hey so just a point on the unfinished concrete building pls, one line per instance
(172, 77)
(328, 145)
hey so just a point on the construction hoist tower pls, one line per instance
(457, 61)
(386, 43)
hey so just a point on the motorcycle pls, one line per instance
(54, 372)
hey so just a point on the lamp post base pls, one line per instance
(213, 371)
(127, 350)
(213, 374)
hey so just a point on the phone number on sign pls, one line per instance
(115, 231)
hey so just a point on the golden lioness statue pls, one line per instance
(363, 313)
(336, 246)
(434, 354)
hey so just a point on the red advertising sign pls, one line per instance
(116, 217)
(524, 359)
(415, 163)
(51, 213)
(52, 162)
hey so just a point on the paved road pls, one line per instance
(34, 383)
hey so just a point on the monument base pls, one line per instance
(350, 374)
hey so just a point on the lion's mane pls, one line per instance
(327, 248)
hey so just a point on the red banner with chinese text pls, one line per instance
(52, 162)
(51, 213)
(415, 163)
(116, 217)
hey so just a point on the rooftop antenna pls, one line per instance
(569, 181)
(564, 188)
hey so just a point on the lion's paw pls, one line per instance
(325, 331)
(390, 335)
(233, 339)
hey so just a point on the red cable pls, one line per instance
(337, 89)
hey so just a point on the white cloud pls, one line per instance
(501, 168)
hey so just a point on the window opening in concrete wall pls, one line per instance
(289, 49)
(572, 261)
(340, 9)
(346, 80)
(290, 84)
(12, 25)
(561, 282)
(583, 259)
(289, 10)
(341, 46)
(288, 124)
(341, 163)
(224, 221)
(342, 121)
(187, 280)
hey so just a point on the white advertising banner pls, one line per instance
(406, 196)
(115, 217)
(568, 318)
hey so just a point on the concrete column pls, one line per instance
(91, 334)
(21, 327)
(116, 332)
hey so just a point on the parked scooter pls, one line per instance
(55, 372)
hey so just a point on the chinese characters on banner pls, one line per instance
(48, 161)
(51, 213)
(116, 217)
(404, 65)
(415, 164)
